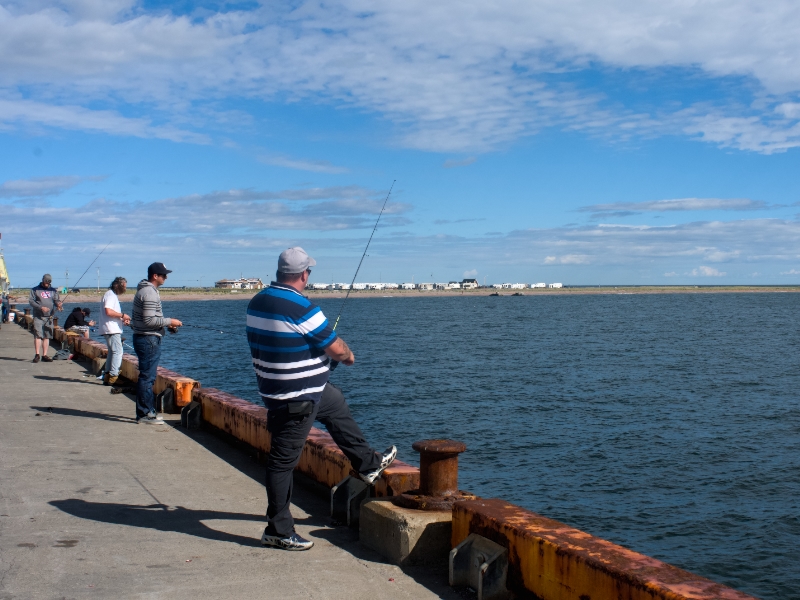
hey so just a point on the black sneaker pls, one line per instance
(387, 458)
(46, 358)
(289, 542)
(35, 359)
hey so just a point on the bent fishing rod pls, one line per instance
(335, 363)
(341, 308)
(369, 241)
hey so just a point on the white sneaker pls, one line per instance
(151, 419)
(387, 458)
(290, 542)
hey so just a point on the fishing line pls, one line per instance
(341, 308)
(215, 329)
(75, 285)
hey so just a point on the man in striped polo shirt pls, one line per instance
(292, 345)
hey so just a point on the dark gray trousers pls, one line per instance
(289, 433)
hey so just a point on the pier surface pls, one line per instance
(94, 506)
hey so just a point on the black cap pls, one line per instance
(157, 269)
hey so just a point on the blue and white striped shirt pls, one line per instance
(288, 335)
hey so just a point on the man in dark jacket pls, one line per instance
(148, 325)
(44, 300)
(76, 321)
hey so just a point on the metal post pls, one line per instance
(438, 466)
(438, 476)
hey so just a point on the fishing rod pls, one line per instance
(75, 285)
(335, 363)
(214, 329)
(341, 308)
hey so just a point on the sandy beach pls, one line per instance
(173, 294)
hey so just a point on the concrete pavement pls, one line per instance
(94, 506)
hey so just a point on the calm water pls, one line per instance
(665, 423)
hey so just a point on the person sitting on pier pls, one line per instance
(292, 344)
(77, 323)
(43, 300)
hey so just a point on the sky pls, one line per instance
(586, 143)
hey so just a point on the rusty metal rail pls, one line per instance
(557, 562)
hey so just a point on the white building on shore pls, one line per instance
(556, 285)
(425, 286)
(469, 284)
(538, 285)
(252, 283)
(408, 286)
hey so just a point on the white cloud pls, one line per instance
(789, 272)
(221, 214)
(706, 272)
(678, 204)
(241, 227)
(451, 163)
(568, 259)
(316, 166)
(451, 77)
(472, 273)
(79, 118)
(38, 186)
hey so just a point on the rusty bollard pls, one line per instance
(55, 322)
(438, 476)
(27, 311)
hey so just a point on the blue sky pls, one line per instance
(622, 143)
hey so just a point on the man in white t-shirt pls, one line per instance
(111, 321)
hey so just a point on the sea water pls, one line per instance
(667, 423)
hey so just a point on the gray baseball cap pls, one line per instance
(294, 260)
(47, 278)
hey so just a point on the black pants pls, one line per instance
(289, 434)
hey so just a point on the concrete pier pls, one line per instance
(94, 506)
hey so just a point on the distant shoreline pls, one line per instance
(171, 294)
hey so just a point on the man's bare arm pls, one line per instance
(340, 351)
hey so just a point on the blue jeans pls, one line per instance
(114, 359)
(148, 350)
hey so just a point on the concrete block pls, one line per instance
(405, 536)
(98, 364)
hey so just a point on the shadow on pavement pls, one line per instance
(74, 412)
(314, 500)
(15, 359)
(160, 517)
(65, 379)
